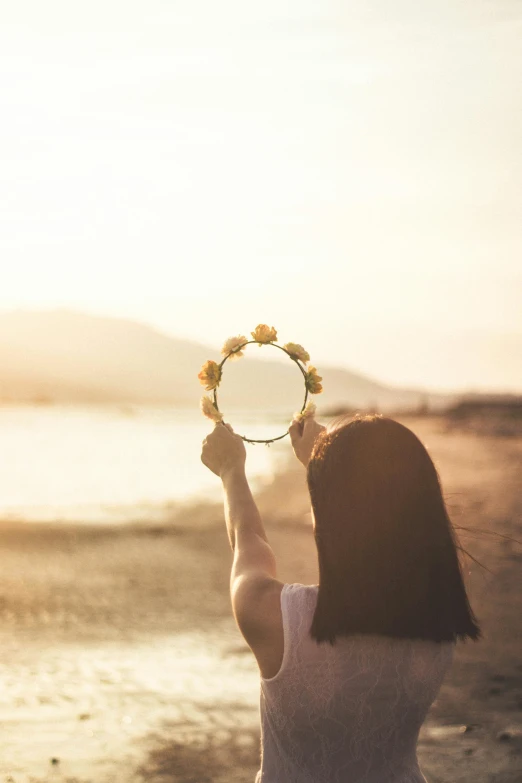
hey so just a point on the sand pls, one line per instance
(120, 660)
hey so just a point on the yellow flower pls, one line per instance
(264, 334)
(233, 347)
(209, 409)
(297, 351)
(313, 381)
(308, 412)
(210, 375)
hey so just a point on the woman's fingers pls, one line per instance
(309, 425)
(295, 430)
(220, 424)
(301, 426)
(223, 449)
(303, 435)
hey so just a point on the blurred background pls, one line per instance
(173, 174)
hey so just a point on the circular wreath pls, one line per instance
(212, 373)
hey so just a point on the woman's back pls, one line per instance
(347, 713)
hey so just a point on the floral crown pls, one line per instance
(212, 373)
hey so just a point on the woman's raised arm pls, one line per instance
(254, 587)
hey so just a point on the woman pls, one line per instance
(349, 667)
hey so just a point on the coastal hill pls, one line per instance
(70, 357)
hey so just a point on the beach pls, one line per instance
(120, 660)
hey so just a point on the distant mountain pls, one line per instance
(70, 357)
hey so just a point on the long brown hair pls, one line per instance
(388, 561)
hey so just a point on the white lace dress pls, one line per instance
(350, 713)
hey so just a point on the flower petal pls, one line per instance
(264, 334)
(209, 409)
(233, 347)
(297, 351)
(308, 412)
(313, 381)
(210, 375)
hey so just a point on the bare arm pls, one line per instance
(253, 577)
(254, 587)
(241, 514)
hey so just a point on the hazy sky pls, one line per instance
(348, 171)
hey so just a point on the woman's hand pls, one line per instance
(223, 451)
(303, 435)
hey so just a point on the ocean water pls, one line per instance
(115, 464)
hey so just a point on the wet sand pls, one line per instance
(120, 660)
